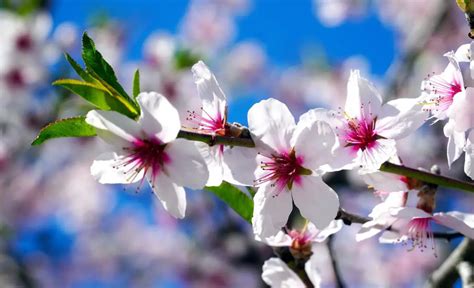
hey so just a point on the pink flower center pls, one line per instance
(145, 155)
(282, 170)
(15, 79)
(419, 233)
(444, 92)
(300, 238)
(24, 42)
(360, 133)
(207, 123)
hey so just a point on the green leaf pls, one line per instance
(185, 59)
(68, 127)
(104, 73)
(236, 199)
(79, 70)
(95, 94)
(136, 84)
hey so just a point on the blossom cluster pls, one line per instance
(65, 226)
(289, 159)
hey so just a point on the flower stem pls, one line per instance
(427, 177)
(245, 140)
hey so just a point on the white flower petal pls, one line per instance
(271, 124)
(315, 144)
(215, 162)
(456, 142)
(469, 161)
(384, 182)
(390, 237)
(460, 222)
(312, 271)
(281, 239)
(400, 117)
(369, 230)
(321, 235)
(316, 201)
(209, 91)
(270, 212)
(106, 171)
(409, 213)
(171, 195)
(461, 110)
(158, 117)
(114, 128)
(277, 274)
(362, 97)
(186, 167)
(239, 165)
(371, 158)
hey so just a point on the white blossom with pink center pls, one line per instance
(148, 149)
(449, 96)
(304, 236)
(223, 162)
(277, 274)
(292, 159)
(413, 226)
(367, 129)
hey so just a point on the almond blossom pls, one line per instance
(277, 274)
(148, 149)
(449, 96)
(413, 226)
(367, 129)
(292, 158)
(212, 120)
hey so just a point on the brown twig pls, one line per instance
(447, 274)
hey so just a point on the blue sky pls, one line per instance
(283, 27)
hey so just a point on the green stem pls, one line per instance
(246, 141)
(427, 177)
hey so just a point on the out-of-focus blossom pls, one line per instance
(149, 149)
(244, 64)
(109, 40)
(159, 50)
(399, 14)
(206, 28)
(334, 12)
(277, 274)
(291, 159)
(66, 35)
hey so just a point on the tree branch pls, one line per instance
(245, 140)
(427, 177)
(447, 274)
